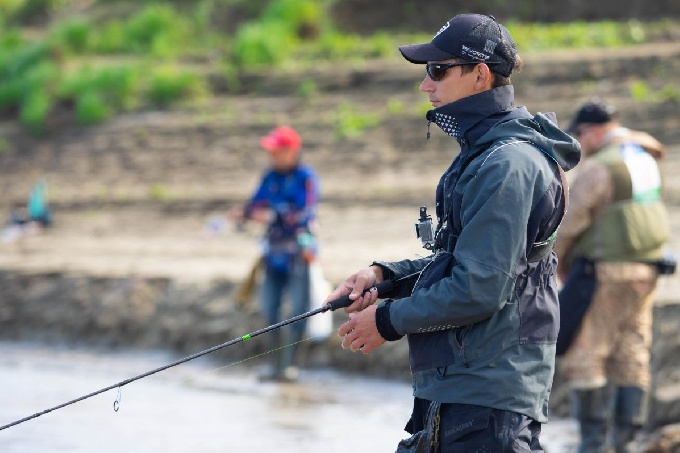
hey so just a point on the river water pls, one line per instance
(198, 407)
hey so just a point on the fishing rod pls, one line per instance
(342, 302)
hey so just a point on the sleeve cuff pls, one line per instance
(382, 321)
(388, 274)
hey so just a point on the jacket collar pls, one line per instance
(469, 118)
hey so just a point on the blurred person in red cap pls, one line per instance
(610, 251)
(286, 201)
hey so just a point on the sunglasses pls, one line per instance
(437, 71)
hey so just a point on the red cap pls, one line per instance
(281, 138)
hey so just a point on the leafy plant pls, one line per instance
(27, 78)
(351, 122)
(670, 93)
(168, 84)
(91, 108)
(337, 46)
(158, 192)
(117, 86)
(579, 34)
(34, 111)
(307, 88)
(27, 10)
(279, 32)
(381, 45)
(63, 65)
(640, 91)
(305, 18)
(9, 7)
(263, 43)
(424, 106)
(395, 107)
(18, 60)
(111, 38)
(73, 36)
(157, 29)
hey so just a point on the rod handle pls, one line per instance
(345, 301)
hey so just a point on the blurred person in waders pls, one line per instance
(482, 317)
(610, 250)
(29, 218)
(286, 200)
(36, 210)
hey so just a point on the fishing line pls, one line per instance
(238, 362)
(344, 301)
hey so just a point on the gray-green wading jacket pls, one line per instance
(483, 317)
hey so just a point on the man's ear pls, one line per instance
(485, 78)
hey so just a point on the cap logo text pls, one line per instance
(474, 54)
(441, 30)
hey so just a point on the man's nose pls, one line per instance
(427, 85)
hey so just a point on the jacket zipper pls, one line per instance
(461, 342)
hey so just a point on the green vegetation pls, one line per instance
(159, 192)
(350, 121)
(113, 56)
(63, 67)
(531, 37)
(642, 92)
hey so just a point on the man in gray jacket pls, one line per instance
(483, 316)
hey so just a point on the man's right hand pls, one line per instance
(355, 285)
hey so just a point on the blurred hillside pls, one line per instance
(82, 62)
(138, 189)
(368, 16)
(185, 160)
(361, 15)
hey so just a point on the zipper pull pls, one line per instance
(428, 129)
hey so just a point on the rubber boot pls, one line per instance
(275, 370)
(289, 365)
(591, 409)
(630, 414)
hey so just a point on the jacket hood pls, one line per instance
(542, 131)
(485, 117)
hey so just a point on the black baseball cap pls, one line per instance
(472, 37)
(594, 111)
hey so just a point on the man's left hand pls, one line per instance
(360, 333)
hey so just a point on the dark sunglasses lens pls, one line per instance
(436, 71)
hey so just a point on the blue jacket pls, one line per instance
(293, 198)
(483, 317)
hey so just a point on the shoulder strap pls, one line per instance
(541, 249)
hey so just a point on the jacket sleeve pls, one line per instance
(311, 197)
(399, 269)
(498, 193)
(261, 196)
